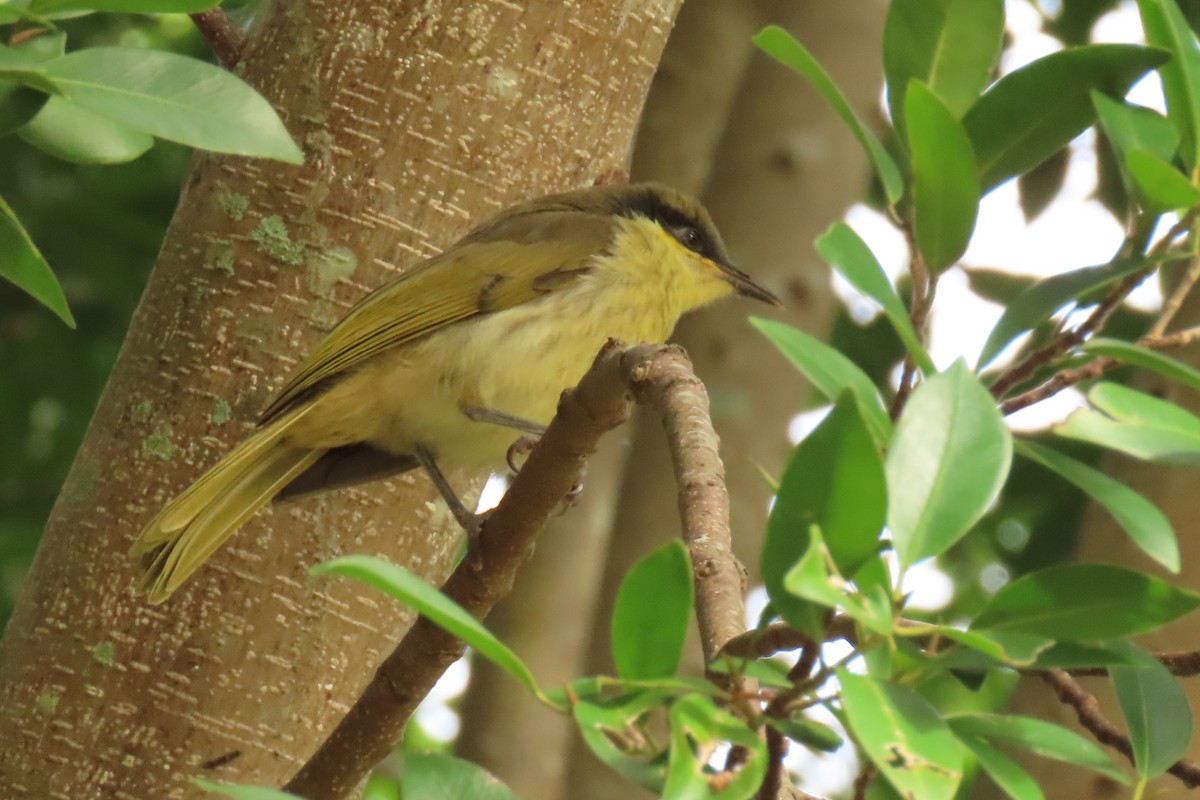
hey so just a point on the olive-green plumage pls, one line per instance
(503, 321)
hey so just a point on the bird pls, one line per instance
(447, 364)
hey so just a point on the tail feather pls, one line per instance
(193, 525)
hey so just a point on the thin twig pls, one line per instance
(863, 781)
(923, 288)
(222, 35)
(777, 747)
(1184, 664)
(1174, 301)
(1087, 711)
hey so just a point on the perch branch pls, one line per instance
(222, 35)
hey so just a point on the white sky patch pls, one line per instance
(804, 423)
(929, 588)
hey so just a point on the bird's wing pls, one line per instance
(481, 275)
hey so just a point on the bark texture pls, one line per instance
(417, 119)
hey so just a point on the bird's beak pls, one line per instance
(744, 285)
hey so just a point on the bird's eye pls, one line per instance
(688, 236)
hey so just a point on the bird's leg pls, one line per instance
(523, 444)
(469, 520)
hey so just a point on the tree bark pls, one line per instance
(416, 119)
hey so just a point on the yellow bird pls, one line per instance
(444, 364)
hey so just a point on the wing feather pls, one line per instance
(495, 268)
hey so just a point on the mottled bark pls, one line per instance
(416, 119)
(783, 166)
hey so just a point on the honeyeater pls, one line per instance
(450, 362)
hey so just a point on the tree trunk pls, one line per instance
(417, 119)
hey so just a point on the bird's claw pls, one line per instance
(521, 447)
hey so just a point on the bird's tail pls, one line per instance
(193, 525)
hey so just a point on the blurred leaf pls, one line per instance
(1134, 127)
(783, 47)
(947, 463)
(25, 66)
(1006, 773)
(74, 134)
(244, 792)
(1038, 187)
(22, 263)
(842, 248)
(1038, 737)
(1163, 187)
(1156, 711)
(1006, 647)
(998, 285)
(1085, 602)
(1136, 424)
(1139, 356)
(945, 182)
(834, 480)
(1166, 28)
(1037, 303)
(808, 732)
(651, 614)
(951, 46)
(1111, 183)
(697, 727)
(175, 98)
(50, 7)
(433, 776)
(402, 585)
(904, 736)
(18, 105)
(830, 372)
(1033, 112)
(1148, 527)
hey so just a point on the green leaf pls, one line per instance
(1156, 711)
(847, 253)
(949, 45)
(26, 65)
(946, 187)
(833, 480)
(18, 105)
(175, 98)
(1136, 424)
(435, 776)
(1163, 187)
(1146, 358)
(697, 727)
(783, 47)
(401, 584)
(808, 732)
(948, 460)
(1085, 602)
(244, 792)
(1006, 647)
(1036, 304)
(22, 263)
(612, 731)
(1166, 27)
(1038, 737)
(1031, 113)
(1148, 527)
(1006, 773)
(1134, 127)
(904, 736)
(68, 132)
(814, 577)
(651, 614)
(51, 7)
(830, 372)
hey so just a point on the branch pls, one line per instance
(657, 375)
(222, 35)
(1184, 664)
(1087, 711)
